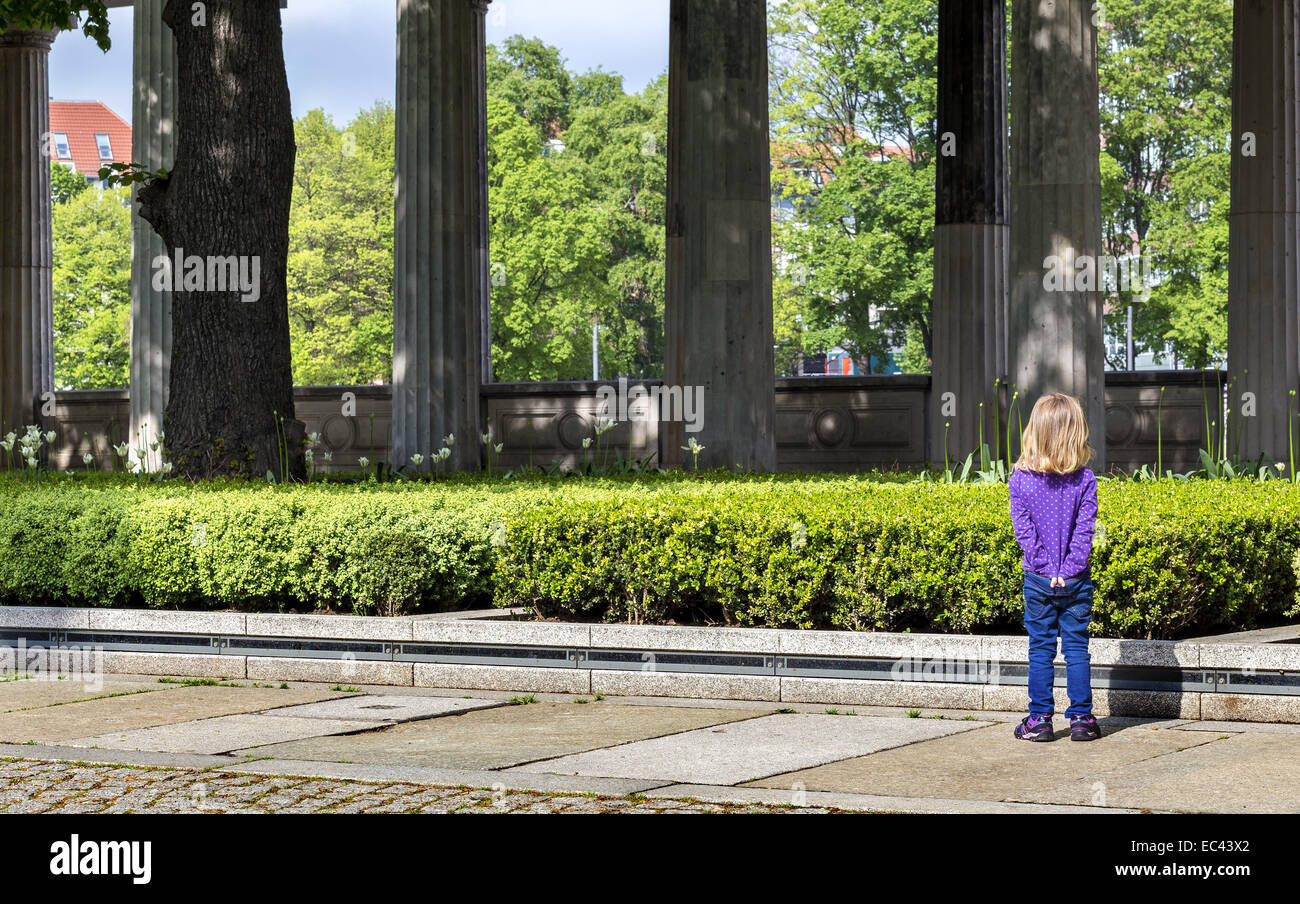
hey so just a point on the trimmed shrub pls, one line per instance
(1172, 558)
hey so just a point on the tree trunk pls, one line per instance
(226, 197)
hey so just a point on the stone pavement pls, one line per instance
(138, 743)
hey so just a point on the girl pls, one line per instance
(1053, 511)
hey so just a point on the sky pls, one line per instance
(341, 54)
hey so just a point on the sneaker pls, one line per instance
(1035, 728)
(1084, 728)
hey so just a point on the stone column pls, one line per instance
(441, 270)
(718, 310)
(1055, 314)
(1264, 227)
(971, 231)
(26, 239)
(152, 143)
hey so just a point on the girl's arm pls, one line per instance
(1023, 525)
(1076, 560)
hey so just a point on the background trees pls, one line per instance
(578, 175)
(92, 284)
(340, 270)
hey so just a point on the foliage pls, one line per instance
(577, 184)
(1166, 77)
(853, 106)
(92, 289)
(340, 268)
(51, 14)
(65, 183)
(874, 552)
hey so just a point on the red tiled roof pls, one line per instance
(81, 121)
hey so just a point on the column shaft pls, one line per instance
(972, 232)
(152, 143)
(1055, 312)
(26, 238)
(441, 269)
(1264, 227)
(718, 314)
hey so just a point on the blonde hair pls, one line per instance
(1056, 439)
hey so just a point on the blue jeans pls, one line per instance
(1066, 611)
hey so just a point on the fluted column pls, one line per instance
(971, 232)
(26, 238)
(718, 310)
(152, 143)
(441, 271)
(1264, 227)
(1055, 313)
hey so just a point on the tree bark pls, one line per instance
(228, 194)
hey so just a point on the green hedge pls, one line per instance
(1174, 558)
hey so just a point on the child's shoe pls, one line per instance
(1035, 728)
(1084, 728)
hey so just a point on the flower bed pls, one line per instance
(1173, 558)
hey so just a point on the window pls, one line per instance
(61, 146)
(105, 149)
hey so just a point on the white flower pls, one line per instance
(50, 437)
(498, 447)
(449, 439)
(309, 455)
(153, 446)
(586, 442)
(417, 459)
(10, 437)
(87, 458)
(313, 438)
(604, 425)
(363, 461)
(487, 437)
(1281, 466)
(329, 456)
(444, 453)
(167, 467)
(31, 461)
(693, 447)
(7, 444)
(121, 450)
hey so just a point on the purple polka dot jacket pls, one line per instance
(1054, 516)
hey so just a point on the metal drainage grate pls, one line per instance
(952, 671)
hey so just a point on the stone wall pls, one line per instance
(822, 423)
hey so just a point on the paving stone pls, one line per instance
(1239, 727)
(493, 738)
(730, 754)
(1244, 773)
(41, 691)
(384, 708)
(987, 763)
(176, 704)
(222, 734)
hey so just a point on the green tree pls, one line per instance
(1166, 78)
(578, 176)
(853, 110)
(65, 183)
(92, 290)
(340, 268)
